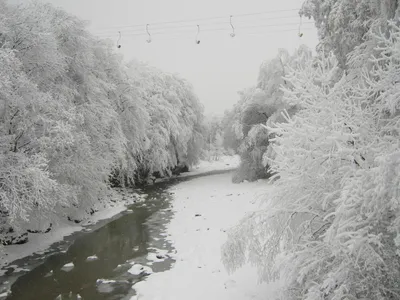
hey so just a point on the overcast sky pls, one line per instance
(220, 65)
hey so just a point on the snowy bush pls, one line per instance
(343, 24)
(259, 105)
(330, 230)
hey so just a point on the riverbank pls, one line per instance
(204, 208)
(116, 204)
(40, 242)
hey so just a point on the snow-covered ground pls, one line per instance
(204, 208)
(223, 163)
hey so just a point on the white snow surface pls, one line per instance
(198, 272)
(138, 269)
(157, 256)
(225, 162)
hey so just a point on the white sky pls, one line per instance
(220, 65)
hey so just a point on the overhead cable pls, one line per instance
(206, 19)
(188, 30)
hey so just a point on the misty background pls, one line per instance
(220, 65)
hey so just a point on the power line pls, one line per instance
(112, 31)
(166, 31)
(205, 19)
(243, 34)
(262, 33)
(256, 34)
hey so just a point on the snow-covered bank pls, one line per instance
(225, 162)
(40, 242)
(204, 209)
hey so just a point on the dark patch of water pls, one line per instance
(118, 243)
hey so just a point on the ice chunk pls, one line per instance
(92, 258)
(68, 267)
(104, 281)
(139, 269)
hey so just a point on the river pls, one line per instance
(118, 243)
(136, 236)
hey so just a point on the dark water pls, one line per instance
(118, 243)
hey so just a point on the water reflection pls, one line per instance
(114, 244)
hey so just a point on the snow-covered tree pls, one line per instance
(343, 24)
(213, 136)
(26, 184)
(175, 118)
(261, 104)
(330, 228)
(73, 115)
